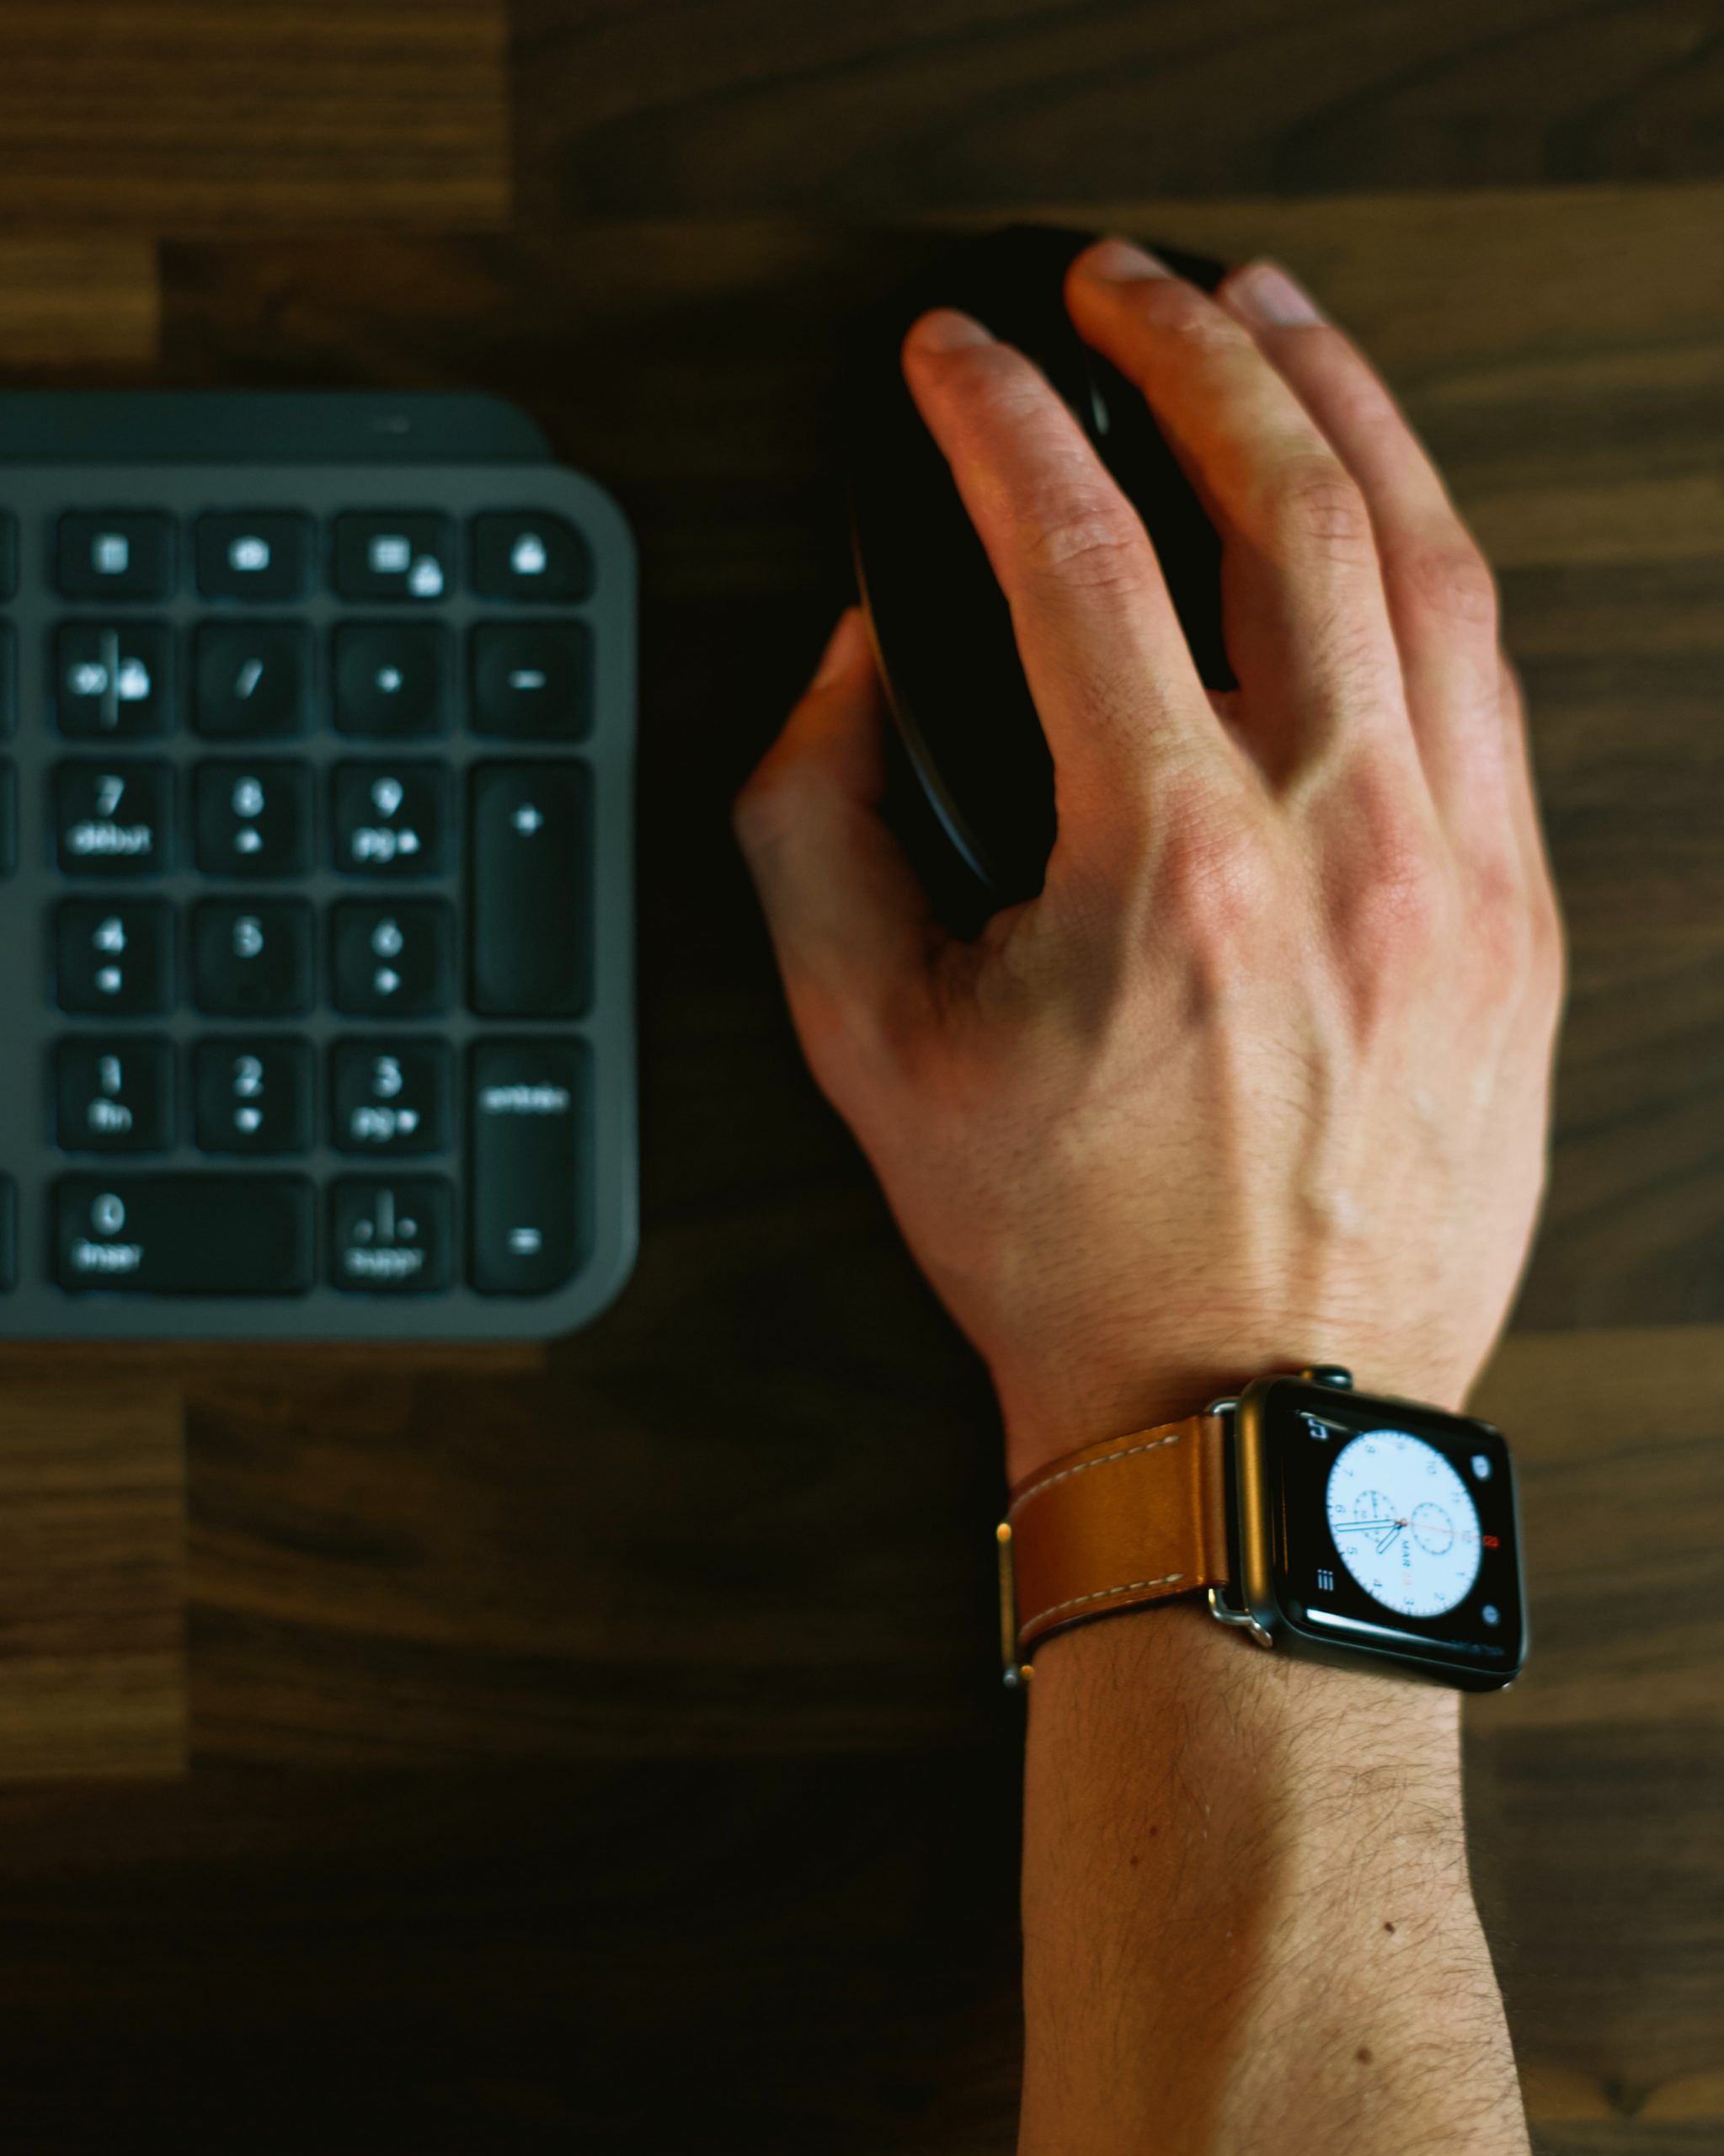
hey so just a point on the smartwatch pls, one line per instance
(1373, 1534)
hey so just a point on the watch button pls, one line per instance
(1329, 1373)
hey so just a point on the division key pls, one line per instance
(184, 1235)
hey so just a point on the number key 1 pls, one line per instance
(113, 1094)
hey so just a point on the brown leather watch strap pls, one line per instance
(1131, 1520)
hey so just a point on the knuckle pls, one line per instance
(1388, 901)
(1517, 931)
(1174, 307)
(1087, 536)
(995, 383)
(1452, 578)
(1501, 929)
(1215, 880)
(1313, 505)
(1000, 381)
(1389, 917)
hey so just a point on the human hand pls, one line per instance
(1261, 1076)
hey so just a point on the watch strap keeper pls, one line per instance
(1129, 1521)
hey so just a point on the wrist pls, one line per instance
(1055, 1408)
(1162, 1663)
(1249, 1875)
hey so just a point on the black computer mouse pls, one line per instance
(939, 625)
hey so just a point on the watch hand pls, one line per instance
(1349, 1526)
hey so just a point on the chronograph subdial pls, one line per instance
(1404, 1523)
(1432, 1529)
(1373, 1516)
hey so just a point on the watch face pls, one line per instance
(1404, 1523)
(1384, 1531)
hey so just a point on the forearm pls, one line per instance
(1246, 1915)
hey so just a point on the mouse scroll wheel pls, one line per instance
(1100, 418)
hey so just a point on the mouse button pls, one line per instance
(1013, 282)
(1028, 313)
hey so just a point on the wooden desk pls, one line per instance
(519, 1751)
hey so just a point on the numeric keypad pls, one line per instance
(301, 803)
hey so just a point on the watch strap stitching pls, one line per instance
(1096, 1594)
(1083, 1466)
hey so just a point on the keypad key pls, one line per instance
(117, 960)
(9, 679)
(391, 1235)
(254, 818)
(113, 1094)
(391, 819)
(529, 1180)
(115, 818)
(391, 1097)
(8, 555)
(252, 961)
(253, 1095)
(253, 554)
(113, 681)
(115, 554)
(253, 680)
(393, 554)
(530, 856)
(391, 680)
(393, 960)
(184, 1235)
(528, 555)
(533, 680)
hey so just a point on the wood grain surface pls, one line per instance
(189, 115)
(91, 1579)
(81, 303)
(743, 106)
(601, 1746)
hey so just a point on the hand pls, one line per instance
(1261, 1077)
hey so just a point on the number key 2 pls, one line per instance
(253, 1095)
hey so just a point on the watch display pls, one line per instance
(1380, 1531)
(1404, 1523)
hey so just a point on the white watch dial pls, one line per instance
(1404, 1521)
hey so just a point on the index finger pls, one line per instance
(1112, 677)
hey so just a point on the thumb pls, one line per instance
(849, 918)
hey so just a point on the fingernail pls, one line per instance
(944, 329)
(842, 649)
(1271, 298)
(1120, 262)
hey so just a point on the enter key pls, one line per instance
(531, 1193)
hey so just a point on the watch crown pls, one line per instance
(1329, 1373)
